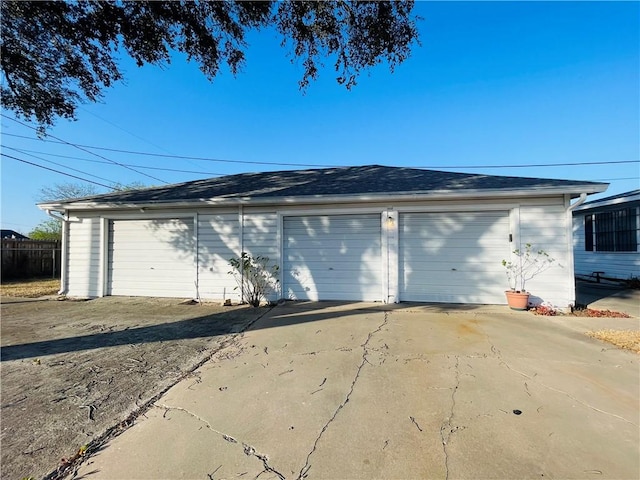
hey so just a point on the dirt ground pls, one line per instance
(72, 370)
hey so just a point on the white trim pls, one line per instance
(64, 253)
(569, 208)
(292, 212)
(390, 221)
(318, 212)
(429, 255)
(570, 260)
(504, 207)
(103, 273)
(148, 215)
(346, 198)
(105, 226)
(637, 229)
(336, 257)
(514, 227)
(280, 243)
(196, 257)
(241, 238)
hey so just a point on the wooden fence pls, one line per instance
(30, 258)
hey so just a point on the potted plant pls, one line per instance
(525, 265)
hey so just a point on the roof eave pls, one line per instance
(573, 190)
(608, 203)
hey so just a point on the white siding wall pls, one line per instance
(218, 242)
(260, 237)
(83, 258)
(542, 222)
(621, 265)
(544, 225)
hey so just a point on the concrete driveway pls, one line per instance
(326, 390)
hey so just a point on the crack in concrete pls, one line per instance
(365, 351)
(567, 394)
(446, 429)
(249, 450)
(498, 354)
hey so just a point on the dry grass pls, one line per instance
(30, 288)
(627, 339)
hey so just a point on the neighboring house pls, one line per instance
(369, 233)
(606, 237)
(12, 235)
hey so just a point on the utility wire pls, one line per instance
(27, 152)
(177, 170)
(23, 150)
(61, 164)
(131, 133)
(57, 171)
(181, 157)
(208, 159)
(80, 147)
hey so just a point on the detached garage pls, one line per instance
(372, 233)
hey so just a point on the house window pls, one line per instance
(614, 231)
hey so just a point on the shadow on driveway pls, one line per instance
(208, 326)
(608, 297)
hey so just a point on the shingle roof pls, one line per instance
(620, 196)
(613, 202)
(363, 180)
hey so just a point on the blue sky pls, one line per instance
(493, 85)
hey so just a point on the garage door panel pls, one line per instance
(453, 257)
(151, 258)
(332, 257)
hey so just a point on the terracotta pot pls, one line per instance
(517, 300)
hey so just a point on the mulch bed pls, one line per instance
(626, 339)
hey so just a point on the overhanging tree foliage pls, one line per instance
(66, 191)
(57, 54)
(51, 229)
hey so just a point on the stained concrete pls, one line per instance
(352, 390)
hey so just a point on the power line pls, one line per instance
(61, 164)
(177, 170)
(612, 179)
(532, 165)
(56, 171)
(131, 133)
(208, 159)
(27, 152)
(80, 147)
(180, 157)
(23, 150)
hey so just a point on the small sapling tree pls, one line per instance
(256, 277)
(525, 265)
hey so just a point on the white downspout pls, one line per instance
(63, 249)
(570, 209)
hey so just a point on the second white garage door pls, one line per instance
(453, 257)
(332, 257)
(151, 258)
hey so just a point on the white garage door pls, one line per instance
(453, 257)
(334, 257)
(151, 258)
